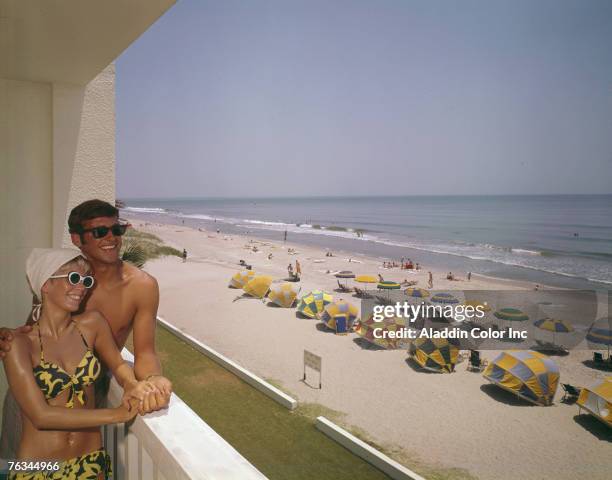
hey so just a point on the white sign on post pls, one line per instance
(313, 361)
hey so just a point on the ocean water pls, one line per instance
(563, 240)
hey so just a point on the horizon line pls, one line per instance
(220, 197)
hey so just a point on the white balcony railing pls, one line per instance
(174, 444)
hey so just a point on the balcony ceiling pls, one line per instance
(69, 40)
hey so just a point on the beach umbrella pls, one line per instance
(481, 306)
(339, 316)
(388, 286)
(258, 286)
(345, 275)
(477, 303)
(371, 330)
(417, 292)
(435, 354)
(284, 294)
(600, 333)
(444, 298)
(366, 279)
(511, 315)
(597, 400)
(554, 325)
(313, 303)
(240, 279)
(530, 375)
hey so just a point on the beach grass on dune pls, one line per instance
(148, 245)
(280, 443)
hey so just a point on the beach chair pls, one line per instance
(475, 363)
(341, 328)
(548, 347)
(570, 393)
(361, 293)
(343, 288)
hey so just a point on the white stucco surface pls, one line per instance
(83, 147)
(25, 188)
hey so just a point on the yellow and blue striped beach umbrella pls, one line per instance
(337, 310)
(312, 304)
(417, 292)
(597, 400)
(530, 375)
(258, 286)
(372, 330)
(284, 294)
(435, 354)
(240, 279)
(600, 333)
(554, 325)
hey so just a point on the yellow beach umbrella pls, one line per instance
(530, 375)
(417, 292)
(339, 316)
(312, 304)
(240, 279)
(597, 400)
(284, 294)
(366, 279)
(382, 333)
(258, 286)
(435, 354)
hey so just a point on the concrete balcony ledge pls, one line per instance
(174, 444)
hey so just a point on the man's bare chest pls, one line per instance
(119, 310)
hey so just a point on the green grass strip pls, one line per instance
(283, 445)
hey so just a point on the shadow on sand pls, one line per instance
(502, 396)
(594, 426)
(365, 345)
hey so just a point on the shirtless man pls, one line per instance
(126, 296)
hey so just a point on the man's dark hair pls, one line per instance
(87, 211)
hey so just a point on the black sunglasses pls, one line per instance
(118, 229)
(74, 278)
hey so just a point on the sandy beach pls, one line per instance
(441, 421)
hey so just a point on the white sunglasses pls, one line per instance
(74, 278)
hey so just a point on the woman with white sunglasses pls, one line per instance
(51, 372)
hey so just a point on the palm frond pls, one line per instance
(133, 253)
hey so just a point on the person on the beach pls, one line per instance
(58, 415)
(290, 270)
(430, 280)
(469, 276)
(184, 255)
(298, 268)
(125, 295)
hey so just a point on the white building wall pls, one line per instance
(26, 189)
(83, 147)
(57, 149)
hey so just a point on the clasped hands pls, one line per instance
(151, 395)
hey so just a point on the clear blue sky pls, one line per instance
(273, 98)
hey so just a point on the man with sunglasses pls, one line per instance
(127, 296)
